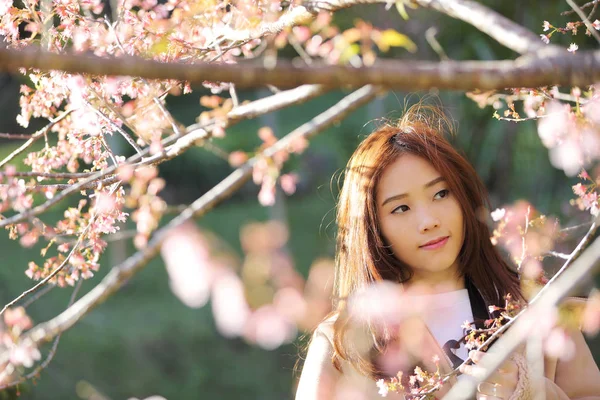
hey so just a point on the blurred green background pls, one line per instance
(144, 341)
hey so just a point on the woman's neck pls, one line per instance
(432, 284)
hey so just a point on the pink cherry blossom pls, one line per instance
(573, 48)
(189, 265)
(229, 306)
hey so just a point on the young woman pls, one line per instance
(412, 211)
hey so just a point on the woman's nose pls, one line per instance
(428, 222)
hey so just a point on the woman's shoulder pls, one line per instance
(325, 328)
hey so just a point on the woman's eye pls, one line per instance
(400, 209)
(441, 194)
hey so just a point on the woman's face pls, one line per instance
(420, 219)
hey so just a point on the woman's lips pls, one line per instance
(436, 244)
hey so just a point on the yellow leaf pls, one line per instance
(349, 52)
(391, 38)
(160, 47)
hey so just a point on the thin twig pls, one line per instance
(116, 127)
(558, 255)
(585, 20)
(52, 351)
(46, 289)
(435, 45)
(51, 275)
(52, 175)
(35, 137)
(583, 7)
(15, 136)
(571, 228)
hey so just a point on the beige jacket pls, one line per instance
(576, 379)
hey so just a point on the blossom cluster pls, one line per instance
(262, 299)
(16, 321)
(587, 195)
(420, 385)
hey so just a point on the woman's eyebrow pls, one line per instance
(402, 195)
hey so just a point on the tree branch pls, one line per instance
(562, 68)
(585, 20)
(52, 351)
(561, 284)
(506, 32)
(118, 275)
(34, 137)
(251, 110)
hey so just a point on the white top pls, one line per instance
(444, 313)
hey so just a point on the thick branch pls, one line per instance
(506, 32)
(566, 69)
(503, 30)
(122, 273)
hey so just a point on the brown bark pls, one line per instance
(559, 68)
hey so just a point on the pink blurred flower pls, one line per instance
(288, 183)
(269, 329)
(24, 354)
(188, 264)
(559, 345)
(266, 196)
(17, 317)
(229, 306)
(591, 315)
(498, 214)
(380, 303)
(555, 125)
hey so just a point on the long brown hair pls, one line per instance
(362, 256)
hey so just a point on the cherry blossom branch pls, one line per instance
(52, 175)
(52, 351)
(580, 69)
(40, 293)
(585, 20)
(562, 283)
(98, 183)
(121, 273)
(511, 321)
(34, 137)
(15, 136)
(159, 104)
(506, 32)
(116, 127)
(115, 111)
(583, 7)
(498, 27)
(195, 132)
(51, 275)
